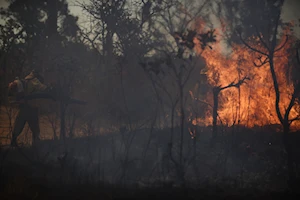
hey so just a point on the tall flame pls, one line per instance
(253, 103)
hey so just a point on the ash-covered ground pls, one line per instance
(247, 164)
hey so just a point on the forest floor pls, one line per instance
(22, 178)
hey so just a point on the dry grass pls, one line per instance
(25, 138)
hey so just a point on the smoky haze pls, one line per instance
(168, 98)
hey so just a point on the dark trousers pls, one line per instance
(27, 114)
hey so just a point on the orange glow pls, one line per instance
(254, 102)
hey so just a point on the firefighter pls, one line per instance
(28, 110)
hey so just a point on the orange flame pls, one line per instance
(254, 102)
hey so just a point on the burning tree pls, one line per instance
(216, 92)
(264, 56)
(270, 49)
(250, 104)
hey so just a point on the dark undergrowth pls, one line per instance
(100, 191)
(31, 173)
(16, 184)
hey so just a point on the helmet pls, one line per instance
(35, 72)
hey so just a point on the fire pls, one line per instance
(254, 102)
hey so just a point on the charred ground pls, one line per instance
(249, 164)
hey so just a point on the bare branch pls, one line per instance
(295, 119)
(261, 39)
(189, 74)
(262, 62)
(292, 103)
(250, 47)
(85, 8)
(92, 41)
(238, 84)
(195, 15)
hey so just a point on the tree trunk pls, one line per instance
(108, 48)
(181, 127)
(63, 122)
(216, 92)
(52, 18)
(181, 162)
(72, 125)
(285, 124)
(289, 150)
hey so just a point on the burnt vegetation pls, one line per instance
(153, 99)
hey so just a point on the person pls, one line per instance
(27, 109)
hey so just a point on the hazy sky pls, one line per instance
(291, 10)
(291, 7)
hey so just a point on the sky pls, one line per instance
(291, 10)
